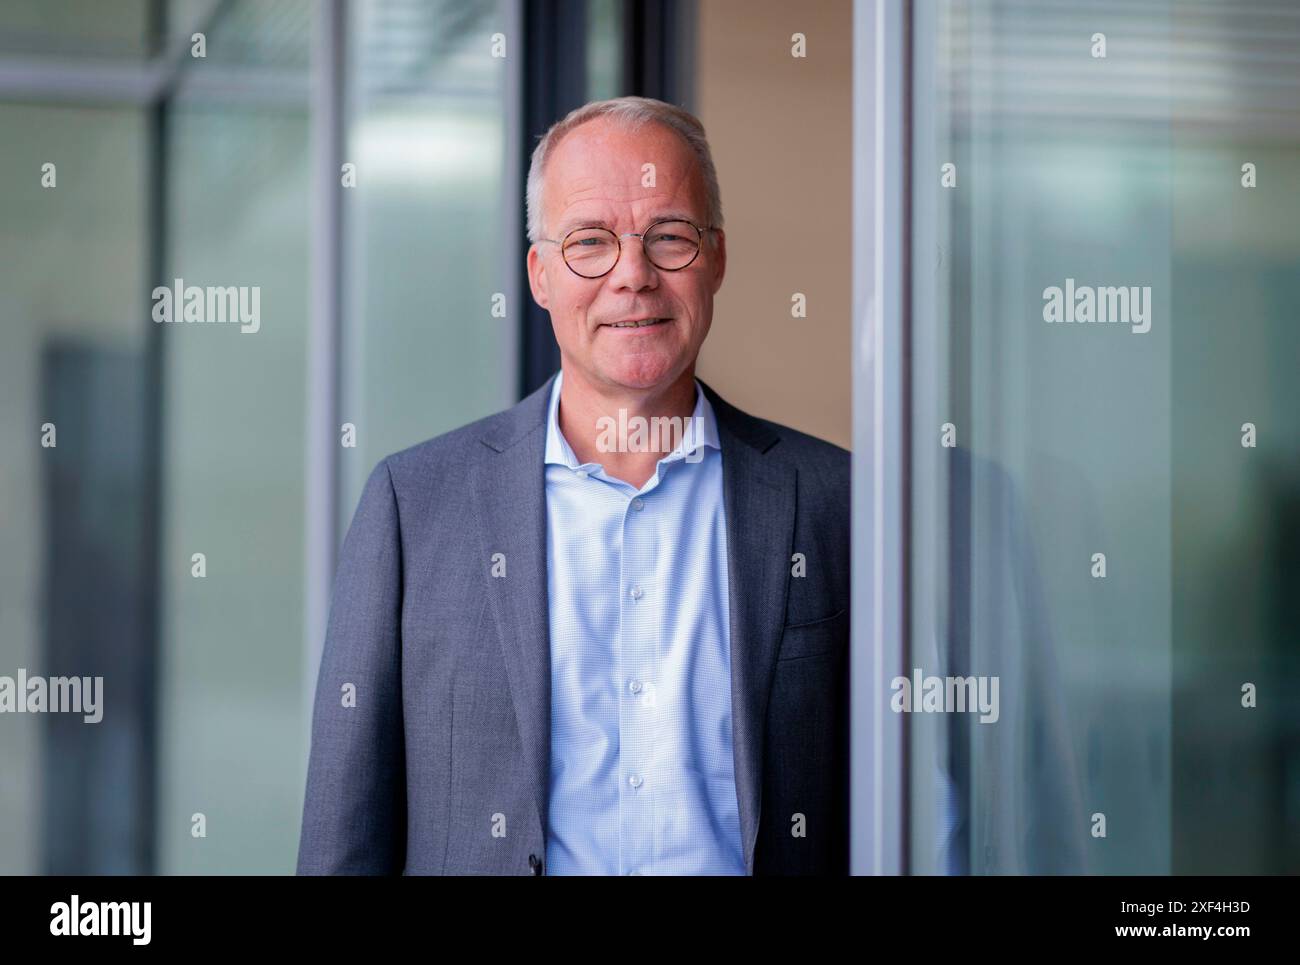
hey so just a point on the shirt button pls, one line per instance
(634, 780)
(635, 593)
(638, 504)
(634, 686)
(582, 474)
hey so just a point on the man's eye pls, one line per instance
(670, 238)
(589, 242)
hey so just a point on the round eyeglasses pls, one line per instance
(592, 252)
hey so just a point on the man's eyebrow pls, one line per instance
(570, 224)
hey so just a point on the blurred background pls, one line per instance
(1119, 695)
(376, 306)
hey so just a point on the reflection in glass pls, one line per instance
(1086, 522)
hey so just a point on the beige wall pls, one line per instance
(780, 129)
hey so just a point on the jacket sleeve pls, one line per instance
(354, 812)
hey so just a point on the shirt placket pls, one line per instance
(638, 646)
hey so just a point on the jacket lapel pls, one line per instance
(510, 494)
(758, 494)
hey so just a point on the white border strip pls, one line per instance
(879, 156)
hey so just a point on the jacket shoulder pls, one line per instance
(814, 456)
(432, 452)
(460, 447)
(808, 451)
(802, 450)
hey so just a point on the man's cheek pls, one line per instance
(578, 307)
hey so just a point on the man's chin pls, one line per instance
(641, 373)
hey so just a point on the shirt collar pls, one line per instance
(700, 430)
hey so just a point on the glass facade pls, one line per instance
(237, 213)
(73, 265)
(162, 540)
(429, 335)
(1100, 314)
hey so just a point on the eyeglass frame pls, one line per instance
(699, 230)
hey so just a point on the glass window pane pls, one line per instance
(431, 254)
(234, 420)
(1099, 306)
(604, 49)
(73, 262)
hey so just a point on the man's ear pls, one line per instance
(537, 280)
(719, 258)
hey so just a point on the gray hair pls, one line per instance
(632, 113)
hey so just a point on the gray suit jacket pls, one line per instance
(449, 737)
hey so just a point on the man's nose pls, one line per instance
(634, 269)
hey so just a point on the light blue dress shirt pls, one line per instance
(642, 777)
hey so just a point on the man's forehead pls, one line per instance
(601, 206)
(604, 187)
(619, 175)
(598, 157)
(598, 193)
(603, 138)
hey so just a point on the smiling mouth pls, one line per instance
(637, 323)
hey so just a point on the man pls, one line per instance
(554, 648)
